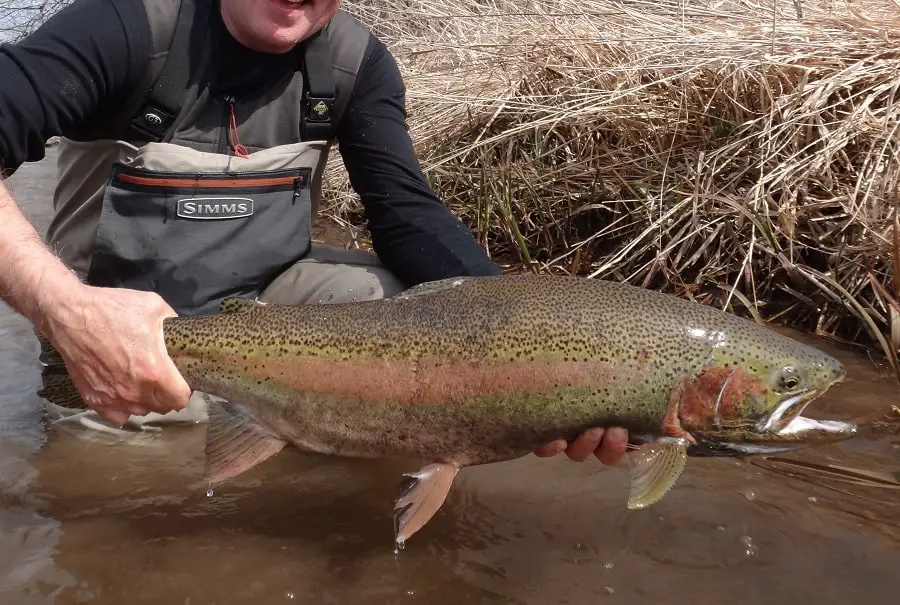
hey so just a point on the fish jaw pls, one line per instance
(799, 433)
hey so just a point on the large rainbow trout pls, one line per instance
(470, 371)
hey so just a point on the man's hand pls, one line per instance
(111, 340)
(112, 343)
(608, 444)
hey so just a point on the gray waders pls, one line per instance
(201, 197)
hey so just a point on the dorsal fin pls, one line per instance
(239, 305)
(433, 287)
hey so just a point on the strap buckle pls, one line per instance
(319, 109)
(152, 121)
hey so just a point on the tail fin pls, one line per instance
(58, 387)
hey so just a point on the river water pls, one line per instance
(89, 519)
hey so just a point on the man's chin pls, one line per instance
(277, 26)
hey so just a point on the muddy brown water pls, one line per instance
(87, 519)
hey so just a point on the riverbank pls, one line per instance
(747, 157)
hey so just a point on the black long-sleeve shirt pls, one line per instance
(93, 53)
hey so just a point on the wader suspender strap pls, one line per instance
(318, 89)
(156, 115)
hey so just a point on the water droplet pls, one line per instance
(609, 565)
(750, 495)
(609, 589)
(399, 545)
(209, 493)
(813, 499)
(721, 528)
(410, 592)
(291, 596)
(750, 549)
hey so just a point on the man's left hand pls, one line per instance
(607, 443)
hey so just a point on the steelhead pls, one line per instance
(477, 370)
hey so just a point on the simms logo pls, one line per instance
(212, 208)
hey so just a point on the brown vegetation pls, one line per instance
(742, 155)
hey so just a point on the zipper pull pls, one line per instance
(233, 140)
(296, 197)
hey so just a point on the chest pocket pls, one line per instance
(197, 237)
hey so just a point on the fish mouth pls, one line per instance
(788, 411)
(786, 429)
(787, 421)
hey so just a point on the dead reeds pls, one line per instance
(745, 155)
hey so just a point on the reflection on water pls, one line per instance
(88, 519)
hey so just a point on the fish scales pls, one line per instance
(471, 371)
(485, 371)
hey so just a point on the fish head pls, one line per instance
(751, 402)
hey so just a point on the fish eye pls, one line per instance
(789, 379)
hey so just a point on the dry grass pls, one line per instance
(725, 151)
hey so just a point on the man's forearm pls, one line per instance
(29, 271)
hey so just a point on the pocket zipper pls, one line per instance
(213, 183)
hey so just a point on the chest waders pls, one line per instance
(200, 198)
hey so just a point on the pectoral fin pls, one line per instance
(654, 469)
(421, 498)
(235, 443)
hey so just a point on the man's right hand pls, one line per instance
(111, 341)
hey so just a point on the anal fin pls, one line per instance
(235, 443)
(422, 498)
(654, 469)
